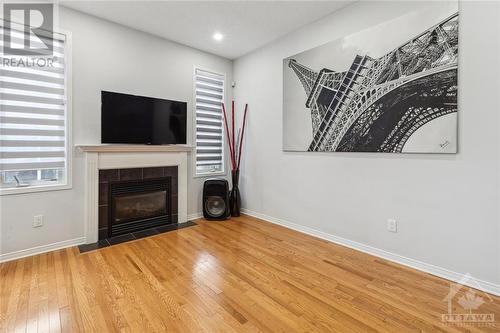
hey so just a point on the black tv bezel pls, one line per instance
(148, 97)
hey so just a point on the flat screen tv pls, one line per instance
(131, 119)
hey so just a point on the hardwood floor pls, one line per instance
(241, 275)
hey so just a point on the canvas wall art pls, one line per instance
(391, 88)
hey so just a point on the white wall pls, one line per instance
(447, 206)
(106, 56)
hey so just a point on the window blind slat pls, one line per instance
(32, 121)
(31, 87)
(209, 151)
(30, 132)
(209, 163)
(32, 143)
(202, 79)
(31, 99)
(209, 122)
(32, 76)
(211, 95)
(30, 109)
(200, 72)
(209, 101)
(31, 154)
(209, 158)
(211, 137)
(208, 108)
(209, 88)
(203, 115)
(209, 144)
(201, 129)
(31, 166)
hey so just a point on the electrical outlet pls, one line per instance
(392, 225)
(37, 221)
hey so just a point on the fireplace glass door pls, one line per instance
(139, 206)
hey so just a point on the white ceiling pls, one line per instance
(246, 25)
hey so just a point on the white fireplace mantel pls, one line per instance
(103, 156)
(109, 148)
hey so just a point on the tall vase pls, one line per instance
(234, 196)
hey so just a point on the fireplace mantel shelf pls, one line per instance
(117, 148)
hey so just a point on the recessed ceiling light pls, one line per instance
(218, 36)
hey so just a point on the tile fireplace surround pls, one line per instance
(123, 177)
(107, 157)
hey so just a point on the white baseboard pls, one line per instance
(60, 245)
(418, 265)
(41, 249)
(194, 216)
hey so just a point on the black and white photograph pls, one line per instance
(391, 88)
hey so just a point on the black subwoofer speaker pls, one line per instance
(216, 199)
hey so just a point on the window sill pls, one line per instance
(211, 174)
(33, 189)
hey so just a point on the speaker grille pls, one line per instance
(215, 206)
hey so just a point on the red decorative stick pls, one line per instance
(234, 143)
(228, 137)
(242, 135)
(237, 143)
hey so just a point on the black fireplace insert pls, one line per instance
(138, 205)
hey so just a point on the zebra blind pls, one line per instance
(209, 96)
(33, 147)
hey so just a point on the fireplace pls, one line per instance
(132, 200)
(138, 205)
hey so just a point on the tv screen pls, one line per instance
(142, 120)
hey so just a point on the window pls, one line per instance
(209, 96)
(33, 119)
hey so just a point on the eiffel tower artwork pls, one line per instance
(394, 98)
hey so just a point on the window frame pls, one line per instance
(68, 182)
(193, 126)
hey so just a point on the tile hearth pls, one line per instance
(133, 236)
